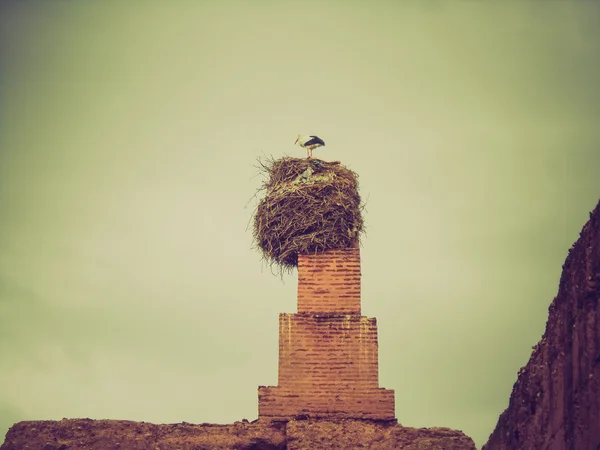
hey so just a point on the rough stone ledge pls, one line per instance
(78, 434)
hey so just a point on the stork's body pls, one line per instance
(309, 143)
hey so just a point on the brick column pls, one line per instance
(328, 352)
(329, 282)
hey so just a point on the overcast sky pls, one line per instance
(128, 136)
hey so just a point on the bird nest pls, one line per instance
(309, 206)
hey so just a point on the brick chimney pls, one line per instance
(328, 353)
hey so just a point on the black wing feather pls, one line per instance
(315, 140)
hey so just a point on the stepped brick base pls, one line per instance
(328, 362)
(277, 403)
(327, 351)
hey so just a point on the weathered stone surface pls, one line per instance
(76, 434)
(355, 434)
(555, 403)
(79, 434)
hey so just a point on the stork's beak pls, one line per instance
(296, 141)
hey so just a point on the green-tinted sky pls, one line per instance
(128, 135)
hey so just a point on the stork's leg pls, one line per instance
(310, 150)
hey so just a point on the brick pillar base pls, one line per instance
(278, 403)
(328, 353)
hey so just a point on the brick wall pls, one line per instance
(328, 353)
(279, 403)
(329, 282)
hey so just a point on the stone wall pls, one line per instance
(86, 434)
(555, 402)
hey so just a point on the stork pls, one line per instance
(309, 143)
